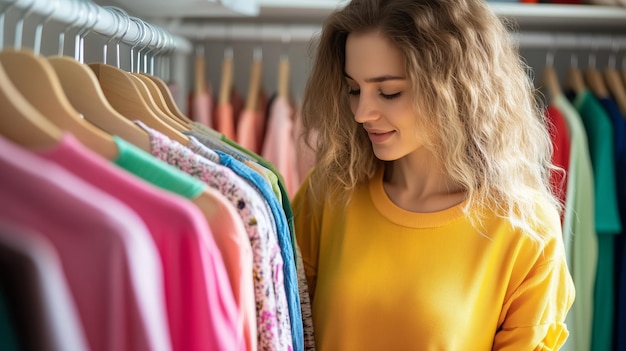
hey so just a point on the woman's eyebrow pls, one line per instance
(379, 79)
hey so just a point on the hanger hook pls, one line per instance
(149, 29)
(123, 15)
(79, 52)
(147, 57)
(592, 53)
(142, 36)
(70, 26)
(3, 12)
(39, 28)
(160, 49)
(19, 25)
(612, 61)
(118, 28)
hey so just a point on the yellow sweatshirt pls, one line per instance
(382, 278)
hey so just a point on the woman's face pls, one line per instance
(380, 95)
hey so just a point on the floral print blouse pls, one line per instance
(273, 325)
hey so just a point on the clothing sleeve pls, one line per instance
(533, 317)
(307, 228)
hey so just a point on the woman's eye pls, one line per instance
(390, 96)
(354, 91)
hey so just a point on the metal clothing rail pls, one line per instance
(262, 32)
(107, 23)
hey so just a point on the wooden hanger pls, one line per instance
(283, 77)
(120, 90)
(36, 80)
(550, 78)
(199, 73)
(168, 98)
(551, 82)
(83, 90)
(594, 79)
(227, 77)
(159, 100)
(149, 99)
(21, 122)
(616, 88)
(575, 80)
(254, 85)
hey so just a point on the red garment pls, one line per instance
(561, 143)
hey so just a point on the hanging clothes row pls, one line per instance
(138, 228)
(266, 123)
(587, 113)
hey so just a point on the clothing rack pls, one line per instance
(226, 31)
(107, 24)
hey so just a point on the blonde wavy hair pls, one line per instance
(473, 92)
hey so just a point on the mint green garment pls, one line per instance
(155, 171)
(579, 235)
(607, 221)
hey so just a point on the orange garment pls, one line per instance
(224, 120)
(246, 135)
(251, 126)
(232, 240)
(278, 145)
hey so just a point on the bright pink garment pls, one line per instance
(102, 245)
(200, 307)
(224, 120)
(279, 146)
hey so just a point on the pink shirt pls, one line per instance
(104, 248)
(306, 156)
(278, 145)
(200, 305)
(202, 106)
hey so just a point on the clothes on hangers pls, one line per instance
(110, 265)
(578, 230)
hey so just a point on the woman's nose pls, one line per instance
(364, 109)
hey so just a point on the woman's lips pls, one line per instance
(379, 137)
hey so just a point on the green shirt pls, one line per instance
(579, 233)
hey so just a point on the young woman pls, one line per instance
(428, 222)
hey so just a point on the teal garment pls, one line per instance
(8, 337)
(155, 171)
(579, 235)
(599, 129)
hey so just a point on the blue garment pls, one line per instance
(619, 133)
(284, 241)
